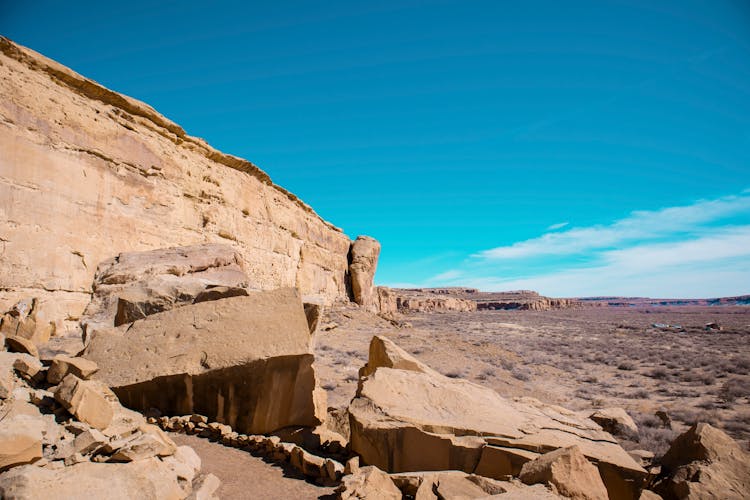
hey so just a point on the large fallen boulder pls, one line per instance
(704, 462)
(243, 361)
(405, 418)
(134, 285)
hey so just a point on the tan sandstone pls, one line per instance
(569, 472)
(704, 462)
(364, 261)
(85, 400)
(243, 361)
(88, 173)
(406, 420)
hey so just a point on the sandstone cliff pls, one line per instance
(87, 173)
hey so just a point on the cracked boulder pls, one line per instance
(243, 361)
(134, 285)
(406, 417)
(703, 462)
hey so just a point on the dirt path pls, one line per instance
(244, 476)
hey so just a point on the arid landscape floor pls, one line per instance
(578, 358)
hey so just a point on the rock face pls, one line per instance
(243, 361)
(88, 173)
(405, 301)
(134, 285)
(363, 258)
(705, 463)
(408, 418)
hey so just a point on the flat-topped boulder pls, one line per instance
(406, 418)
(245, 361)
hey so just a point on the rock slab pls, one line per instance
(244, 361)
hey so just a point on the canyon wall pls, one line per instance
(87, 173)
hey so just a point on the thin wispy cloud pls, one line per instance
(559, 225)
(696, 250)
(638, 226)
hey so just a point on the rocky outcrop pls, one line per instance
(539, 304)
(409, 419)
(705, 463)
(75, 440)
(245, 361)
(392, 301)
(88, 173)
(363, 261)
(134, 285)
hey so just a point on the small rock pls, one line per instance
(84, 400)
(569, 471)
(27, 366)
(643, 457)
(334, 470)
(89, 441)
(369, 482)
(20, 344)
(352, 466)
(616, 421)
(63, 365)
(204, 487)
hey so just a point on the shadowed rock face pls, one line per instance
(409, 418)
(245, 361)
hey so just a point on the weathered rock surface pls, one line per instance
(244, 361)
(20, 441)
(86, 400)
(134, 285)
(363, 258)
(705, 463)
(406, 420)
(569, 472)
(149, 479)
(77, 155)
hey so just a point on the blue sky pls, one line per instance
(575, 148)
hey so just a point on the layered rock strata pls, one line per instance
(86, 173)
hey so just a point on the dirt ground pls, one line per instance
(578, 358)
(244, 476)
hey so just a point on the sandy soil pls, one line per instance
(244, 476)
(578, 358)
